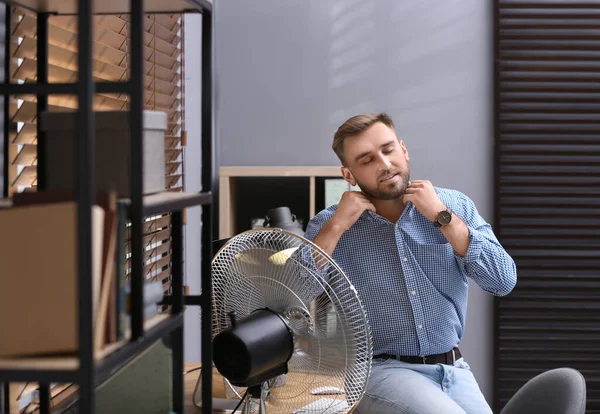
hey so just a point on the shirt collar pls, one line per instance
(374, 216)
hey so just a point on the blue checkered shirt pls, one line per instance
(411, 282)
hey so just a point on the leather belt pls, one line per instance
(447, 358)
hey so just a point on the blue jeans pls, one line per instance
(399, 387)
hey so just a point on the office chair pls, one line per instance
(557, 391)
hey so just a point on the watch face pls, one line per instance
(444, 217)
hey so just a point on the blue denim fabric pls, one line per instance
(397, 387)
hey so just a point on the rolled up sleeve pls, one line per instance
(486, 261)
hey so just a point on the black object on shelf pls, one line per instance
(282, 217)
(88, 373)
(260, 194)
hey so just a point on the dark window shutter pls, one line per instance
(547, 95)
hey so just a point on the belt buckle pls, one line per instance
(424, 358)
(453, 356)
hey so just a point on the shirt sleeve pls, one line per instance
(313, 228)
(315, 224)
(314, 276)
(486, 261)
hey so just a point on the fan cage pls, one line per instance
(279, 270)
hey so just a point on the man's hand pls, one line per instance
(423, 196)
(350, 208)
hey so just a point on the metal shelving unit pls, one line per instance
(84, 369)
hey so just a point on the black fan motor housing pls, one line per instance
(254, 349)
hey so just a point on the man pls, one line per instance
(409, 248)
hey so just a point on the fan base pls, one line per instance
(219, 405)
(222, 405)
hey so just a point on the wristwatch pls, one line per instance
(444, 218)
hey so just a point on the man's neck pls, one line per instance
(389, 209)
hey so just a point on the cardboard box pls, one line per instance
(111, 152)
(38, 298)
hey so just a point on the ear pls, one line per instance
(348, 176)
(404, 150)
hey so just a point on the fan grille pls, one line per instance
(275, 269)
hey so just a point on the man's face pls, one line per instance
(377, 162)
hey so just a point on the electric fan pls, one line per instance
(290, 333)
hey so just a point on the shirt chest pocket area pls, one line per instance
(437, 261)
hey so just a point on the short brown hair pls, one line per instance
(354, 126)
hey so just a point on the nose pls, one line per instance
(384, 162)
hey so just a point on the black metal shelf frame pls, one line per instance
(90, 373)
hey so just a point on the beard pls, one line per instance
(387, 191)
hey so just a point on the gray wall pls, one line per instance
(289, 72)
(192, 157)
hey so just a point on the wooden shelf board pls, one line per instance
(160, 203)
(307, 171)
(40, 363)
(71, 362)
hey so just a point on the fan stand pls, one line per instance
(257, 394)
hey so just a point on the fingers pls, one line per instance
(363, 197)
(367, 204)
(359, 199)
(419, 183)
(411, 198)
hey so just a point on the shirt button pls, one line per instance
(405, 259)
(414, 292)
(420, 326)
